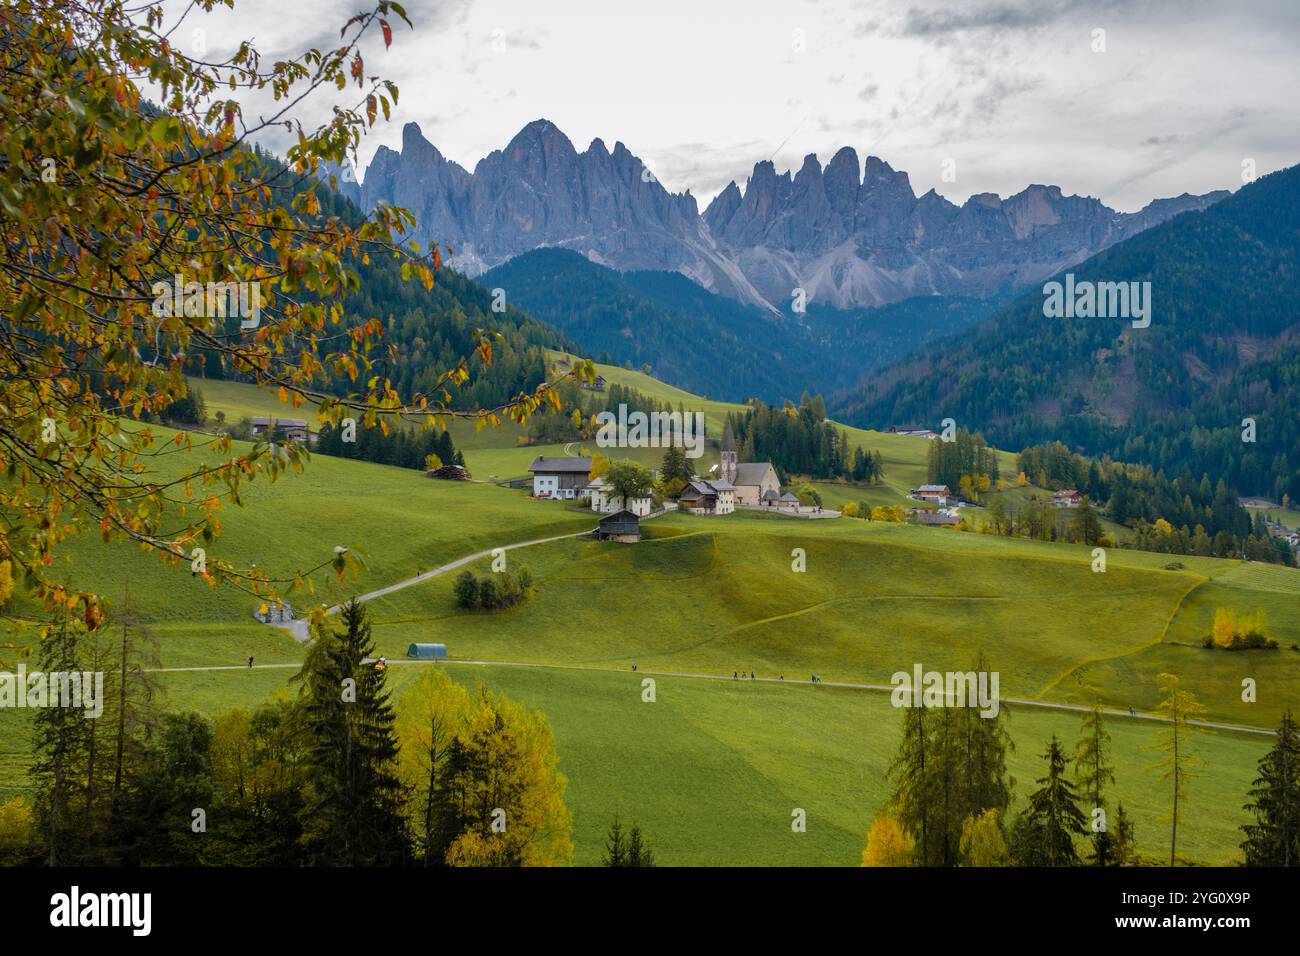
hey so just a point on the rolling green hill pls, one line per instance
(712, 597)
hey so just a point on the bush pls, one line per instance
(493, 591)
(466, 590)
(488, 595)
(1232, 634)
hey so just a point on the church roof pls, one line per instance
(771, 495)
(751, 472)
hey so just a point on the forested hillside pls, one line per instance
(1221, 348)
(426, 331)
(713, 345)
(708, 345)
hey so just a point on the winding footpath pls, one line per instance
(300, 631)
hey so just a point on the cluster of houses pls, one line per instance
(738, 484)
(911, 431)
(941, 495)
(1290, 537)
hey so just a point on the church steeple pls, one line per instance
(727, 469)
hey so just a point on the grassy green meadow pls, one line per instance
(713, 768)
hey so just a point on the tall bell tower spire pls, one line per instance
(727, 470)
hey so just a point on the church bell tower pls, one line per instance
(727, 470)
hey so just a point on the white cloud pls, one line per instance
(703, 90)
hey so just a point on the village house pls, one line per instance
(708, 497)
(559, 477)
(1290, 537)
(934, 519)
(604, 501)
(910, 431)
(619, 526)
(751, 480)
(1067, 498)
(293, 429)
(936, 494)
(779, 502)
(595, 385)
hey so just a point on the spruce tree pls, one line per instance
(1274, 838)
(353, 811)
(59, 754)
(911, 792)
(615, 848)
(638, 854)
(1087, 527)
(1044, 833)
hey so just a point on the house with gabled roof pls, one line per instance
(559, 477)
(939, 494)
(604, 501)
(703, 496)
(1067, 498)
(622, 525)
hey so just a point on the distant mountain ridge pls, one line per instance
(712, 345)
(850, 235)
(1222, 349)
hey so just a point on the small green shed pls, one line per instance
(427, 651)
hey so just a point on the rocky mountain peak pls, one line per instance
(850, 234)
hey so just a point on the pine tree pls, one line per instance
(615, 848)
(638, 853)
(59, 756)
(1274, 838)
(1123, 849)
(1087, 527)
(911, 795)
(675, 465)
(1093, 771)
(352, 816)
(986, 785)
(1044, 833)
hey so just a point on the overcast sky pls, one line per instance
(1011, 90)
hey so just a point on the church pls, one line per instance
(751, 480)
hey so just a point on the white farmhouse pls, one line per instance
(604, 501)
(559, 477)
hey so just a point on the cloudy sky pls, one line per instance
(1119, 100)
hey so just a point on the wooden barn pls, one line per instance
(619, 526)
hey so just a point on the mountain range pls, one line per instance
(713, 345)
(852, 234)
(1211, 386)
